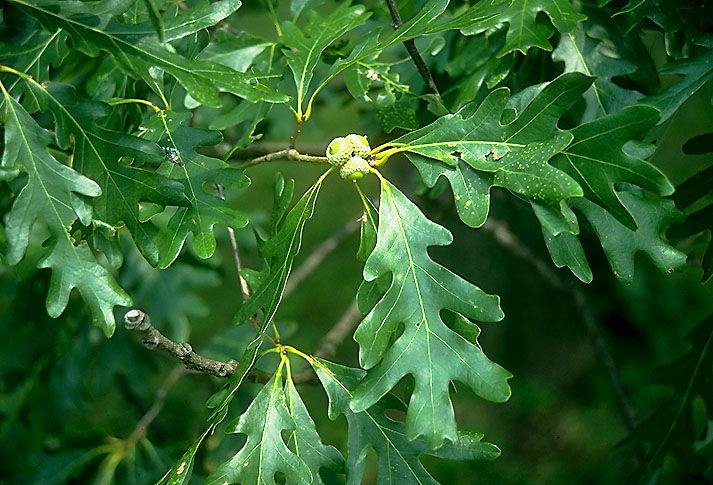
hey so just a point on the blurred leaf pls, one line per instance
(53, 195)
(420, 288)
(671, 429)
(180, 473)
(135, 49)
(398, 456)
(393, 113)
(696, 72)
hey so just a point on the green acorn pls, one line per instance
(354, 169)
(360, 145)
(339, 151)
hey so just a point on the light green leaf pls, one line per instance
(96, 155)
(304, 440)
(54, 195)
(398, 456)
(393, 113)
(582, 53)
(264, 453)
(135, 48)
(419, 290)
(621, 244)
(197, 173)
(475, 151)
(597, 161)
(305, 46)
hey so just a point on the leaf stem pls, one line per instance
(135, 100)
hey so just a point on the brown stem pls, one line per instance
(298, 129)
(245, 290)
(153, 339)
(413, 51)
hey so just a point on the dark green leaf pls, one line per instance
(197, 173)
(621, 244)
(597, 161)
(135, 48)
(56, 196)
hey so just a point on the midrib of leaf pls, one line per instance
(587, 71)
(331, 375)
(267, 418)
(424, 320)
(51, 199)
(304, 71)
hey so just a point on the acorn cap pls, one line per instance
(354, 169)
(360, 145)
(339, 151)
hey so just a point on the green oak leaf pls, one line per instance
(696, 73)
(135, 48)
(305, 46)
(264, 453)
(398, 456)
(279, 253)
(97, 151)
(56, 196)
(524, 31)
(566, 250)
(180, 472)
(621, 244)
(419, 290)
(475, 151)
(305, 441)
(582, 53)
(597, 161)
(198, 173)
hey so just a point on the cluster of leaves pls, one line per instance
(104, 137)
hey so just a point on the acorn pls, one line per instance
(360, 145)
(354, 169)
(339, 151)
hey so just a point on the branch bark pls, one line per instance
(153, 339)
(413, 51)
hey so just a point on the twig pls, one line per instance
(413, 51)
(319, 254)
(502, 234)
(153, 339)
(298, 129)
(289, 153)
(245, 290)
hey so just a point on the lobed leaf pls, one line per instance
(398, 456)
(474, 150)
(198, 173)
(419, 290)
(56, 196)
